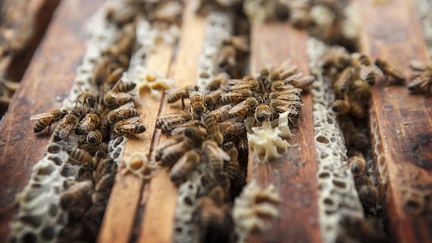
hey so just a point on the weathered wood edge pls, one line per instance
(393, 32)
(47, 81)
(294, 174)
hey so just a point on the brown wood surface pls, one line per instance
(393, 32)
(294, 174)
(49, 77)
(126, 193)
(158, 218)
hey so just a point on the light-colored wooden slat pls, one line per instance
(403, 121)
(127, 190)
(159, 210)
(294, 174)
(48, 78)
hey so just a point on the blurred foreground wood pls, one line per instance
(402, 121)
(47, 81)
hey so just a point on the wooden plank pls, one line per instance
(404, 126)
(48, 78)
(294, 174)
(162, 194)
(39, 13)
(126, 193)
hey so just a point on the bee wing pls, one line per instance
(127, 106)
(41, 116)
(240, 106)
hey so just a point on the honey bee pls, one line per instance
(167, 122)
(80, 156)
(243, 145)
(341, 107)
(390, 70)
(213, 98)
(282, 106)
(122, 86)
(423, 82)
(368, 194)
(232, 128)
(112, 99)
(357, 109)
(120, 16)
(304, 83)
(197, 103)
(89, 123)
(87, 99)
(187, 163)
(236, 96)
(181, 93)
(357, 164)
(343, 82)
(44, 120)
(113, 78)
(210, 123)
(169, 155)
(196, 134)
(217, 81)
(94, 137)
(213, 217)
(216, 156)
(242, 108)
(67, 125)
(123, 112)
(123, 44)
(232, 168)
(361, 89)
(129, 126)
(263, 113)
(221, 113)
(75, 193)
(182, 127)
(167, 143)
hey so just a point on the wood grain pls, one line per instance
(294, 174)
(162, 194)
(393, 32)
(14, 64)
(48, 78)
(126, 193)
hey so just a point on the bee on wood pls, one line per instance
(167, 122)
(113, 99)
(304, 83)
(89, 123)
(357, 164)
(170, 154)
(123, 112)
(390, 70)
(122, 86)
(282, 106)
(242, 108)
(422, 77)
(187, 163)
(80, 156)
(129, 126)
(44, 120)
(263, 113)
(216, 156)
(210, 123)
(180, 93)
(197, 103)
(94, 137)
(341, 107)
(68, 124)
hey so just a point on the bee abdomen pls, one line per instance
(94, 137)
